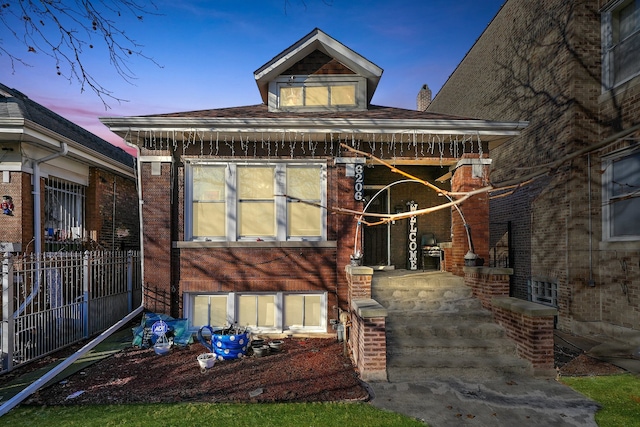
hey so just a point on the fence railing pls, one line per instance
(52, 300)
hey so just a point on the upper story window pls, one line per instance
(621, 196)
(313, 93)
(620, 42)
(228, 201)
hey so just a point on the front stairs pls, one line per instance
(436, 329)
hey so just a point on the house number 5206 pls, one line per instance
(358, 186)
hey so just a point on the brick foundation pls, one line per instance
(528, 324)
(367, 332)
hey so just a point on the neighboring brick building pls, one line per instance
(86, 197)
(572, 69)
(225, 237)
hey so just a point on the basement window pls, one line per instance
(262, 312)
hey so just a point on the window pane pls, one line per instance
(200, 310)
(291, 96)
(293, 311)
(343, 95)
(210, 310)
(304, 220)
(629, 19)
(208, 183)
(304, 183)
(626, 175)
(317, 95)
(312, 310)
(247, 310)
(626, 221)
(255, 182)
(256, 219)
(302, 311)
(266, 311)
(256, 310)
(218, 310)
(209, 219)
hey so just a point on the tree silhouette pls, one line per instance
(65, 30)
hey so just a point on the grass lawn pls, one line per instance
(193, 414)
(619, 396)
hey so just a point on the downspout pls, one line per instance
(37, 222)
(37, 208)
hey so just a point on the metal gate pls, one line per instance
(52, 300)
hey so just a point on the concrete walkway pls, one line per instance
(516, 401)
(508, 401)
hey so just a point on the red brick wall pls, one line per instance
(11, 226)
(254, 267)
(156, 213)
(485, 284)
(533, 336)
(554, 232)
(113, 233)
(476, 213)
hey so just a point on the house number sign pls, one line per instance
(359, 184)
(413, 238)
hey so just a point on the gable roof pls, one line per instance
(17, 107)
(317, 40)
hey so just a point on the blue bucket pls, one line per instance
(225, 346)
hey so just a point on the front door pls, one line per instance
(376, 238)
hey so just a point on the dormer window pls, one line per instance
(312, 93)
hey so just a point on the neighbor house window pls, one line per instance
(63, 215)
(621, 42)
(266, 312)
(256, 201)
(621, 196)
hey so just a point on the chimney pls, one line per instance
(424, 98)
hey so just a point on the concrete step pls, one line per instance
(426, 279)
(418, 292)
(459, 367)
(457, 329)
(429, 304)
(400, 348)
(436, 329)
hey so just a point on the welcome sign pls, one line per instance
(413, 238)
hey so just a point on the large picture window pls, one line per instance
(256, 201)
(621, 196)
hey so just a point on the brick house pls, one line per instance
(572, 233)
(85, 197)
(225, 236)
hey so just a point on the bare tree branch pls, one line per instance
(64, 30)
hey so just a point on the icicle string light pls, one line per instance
(409, 144)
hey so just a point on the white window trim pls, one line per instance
(320, 80)
(607, 182)
(232, 316)
(232, 201)
(608, 44)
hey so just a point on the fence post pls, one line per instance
(86, 271)
(130, 280)
(8, 322)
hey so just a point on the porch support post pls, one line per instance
(470, 225)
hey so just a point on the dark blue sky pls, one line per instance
(208, 51)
